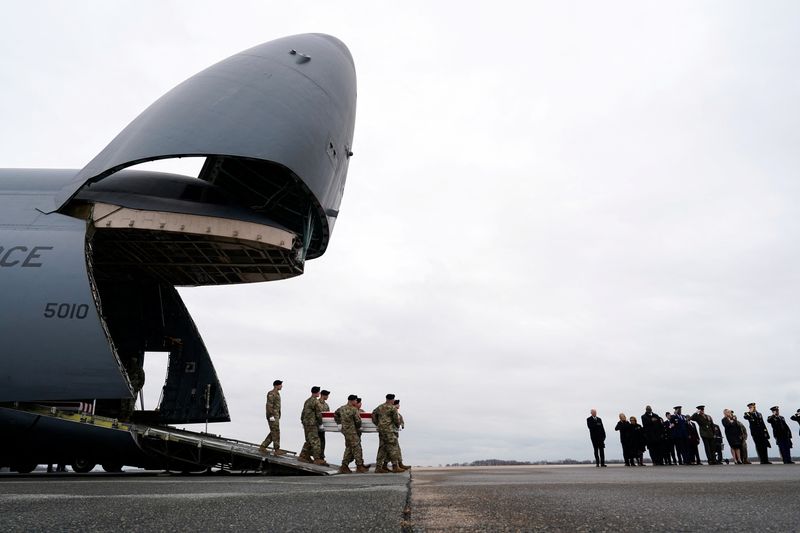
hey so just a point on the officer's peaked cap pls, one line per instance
(678, 407)
(701, 407)
(773, 408)
(751, 404)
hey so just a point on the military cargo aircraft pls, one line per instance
(90, 258)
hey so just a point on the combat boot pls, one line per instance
(278, 451)
(380, 470)
(321, 462)
(404, 467)
(361, 469)
(344, 469)
(396, 469)
(304, 458)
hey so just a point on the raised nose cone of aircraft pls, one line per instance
(275, 124)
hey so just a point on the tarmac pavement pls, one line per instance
(196, 502)
(617, 498)
(526, 498)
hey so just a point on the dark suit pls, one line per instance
(598, 435)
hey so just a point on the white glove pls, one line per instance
(339, 427)
(272, 419)
(321, 427)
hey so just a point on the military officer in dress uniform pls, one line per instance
(706, 424)
(273, 409)
(758, 430)
(782, 434)
(796, 416)
(597, 434)
(680, 434)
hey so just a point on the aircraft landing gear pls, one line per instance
(82, 465)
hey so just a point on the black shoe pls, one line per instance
(598, 466)
(607, 465)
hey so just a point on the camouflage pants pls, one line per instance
(312, 446)
(352, 449)
(274, 436)
(388, 448)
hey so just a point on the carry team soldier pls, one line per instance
(348, 419)
(782, 434)
(758, 430)
(386, 419)
(311, 418)
(273, 412)
(323, 404)
(402, 426)
(381, 460)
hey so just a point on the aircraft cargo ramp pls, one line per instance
(42, 434)
(190, 448)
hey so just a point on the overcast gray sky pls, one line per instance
(552, 206)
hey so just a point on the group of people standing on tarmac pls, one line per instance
(675, 439)
(386, 418)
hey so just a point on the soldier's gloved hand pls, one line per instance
(339, 427)
(272, 419)
(321, 427)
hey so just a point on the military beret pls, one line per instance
(751, 404)
(678, 407)
(314, 389)
(773, 408)
(701, 407)
(325, 392)
(352, 397)
(390, 396)
(397, 402)
(358, 399)
(277, 382)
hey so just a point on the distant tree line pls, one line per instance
(511, 462)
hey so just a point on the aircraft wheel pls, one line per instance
(82, 465)
(112, 467)
(24, 468)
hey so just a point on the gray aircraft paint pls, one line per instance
(56, 352)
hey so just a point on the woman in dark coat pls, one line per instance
(638, 441)
(624, 428)
(734, 435)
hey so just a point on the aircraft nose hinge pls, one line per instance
(301, 57)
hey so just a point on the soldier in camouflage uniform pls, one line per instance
(402, 426)
(311, 419)
(136, 377)
(273, 409)
(348, 419)
(382, 460)
(323, 404)
(387, 419)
